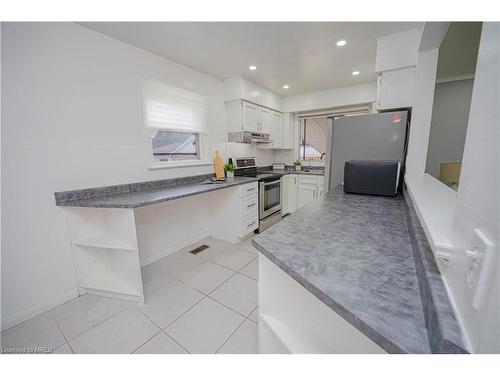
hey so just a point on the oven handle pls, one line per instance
(271, 183)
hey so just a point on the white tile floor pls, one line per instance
(204, 303)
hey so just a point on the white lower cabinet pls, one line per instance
(249, 208)
(309, 188)
(289, 198)
(306, 193)
(293, 320)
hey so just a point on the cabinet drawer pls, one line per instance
(249, 224)
(249, 204)
(248, 189)
(308, 179)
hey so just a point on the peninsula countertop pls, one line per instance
(144, 193)
(353, 252)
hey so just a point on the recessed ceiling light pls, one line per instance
(355, 73)
(285, 86)
(341, 43)
(252, 67)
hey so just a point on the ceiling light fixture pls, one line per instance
(285, 86)
(355, 73)
(341, 43)
(252, 67)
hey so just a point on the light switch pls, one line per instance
(480, 271)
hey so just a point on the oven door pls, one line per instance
(270, 198)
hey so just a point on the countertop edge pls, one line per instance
(82, 202)
(356, 322)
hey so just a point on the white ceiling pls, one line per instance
(301, 54)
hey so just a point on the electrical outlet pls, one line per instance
(481, 267)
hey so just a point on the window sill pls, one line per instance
(178, 164)
(435, 206)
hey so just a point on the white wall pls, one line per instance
(326, 99)
(478, 201)
(72, 118)
(450, 115)
(241, 88)
(425, 82)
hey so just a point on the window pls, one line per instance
(177, 121)
(312, 144)
(175, 146)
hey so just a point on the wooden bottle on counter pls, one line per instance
(219, 167)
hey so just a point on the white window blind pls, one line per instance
(173, 108)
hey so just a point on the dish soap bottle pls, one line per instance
(219, 167)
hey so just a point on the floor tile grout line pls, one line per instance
(239, 269)
(173, 321)
(98, 324)
(148, 340)
(231, 335)
(162, 329)
(213, 299)
(178, 343)
(63, 335)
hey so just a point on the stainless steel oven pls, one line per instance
(269, 197)
(270, 190)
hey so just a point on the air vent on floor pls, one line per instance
(199, 249)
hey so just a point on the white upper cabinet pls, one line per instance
(395, 88)
(276, 129)
(247, 116)
(251, 116)
(395, 64)
(288, 131)
(264, 120)
(242, 115)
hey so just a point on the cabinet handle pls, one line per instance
(251, 224)
(251, 205)
(251, 189)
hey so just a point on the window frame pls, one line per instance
(151, 131)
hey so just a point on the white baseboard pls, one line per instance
(28, 314)
(174, 248)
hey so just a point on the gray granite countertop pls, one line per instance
(312, 172)
(353, 252)
(143, 194)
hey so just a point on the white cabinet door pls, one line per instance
(306, 194)
(250, 117)
(395, 88)
(264, 120)
(289, 204)
(321, 190)
(288, 131)
(276, 129)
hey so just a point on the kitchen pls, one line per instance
(171, 204)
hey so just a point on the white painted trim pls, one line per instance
(178, 164)
(435, 205)
(23, 316)
(456, 77)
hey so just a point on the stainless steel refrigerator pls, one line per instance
(378, 136)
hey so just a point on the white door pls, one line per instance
(250, 117)
(289, 204)
(306, 194)
(264, 120)
(276, 129)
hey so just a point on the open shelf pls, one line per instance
(105, 241)
(110, 283)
